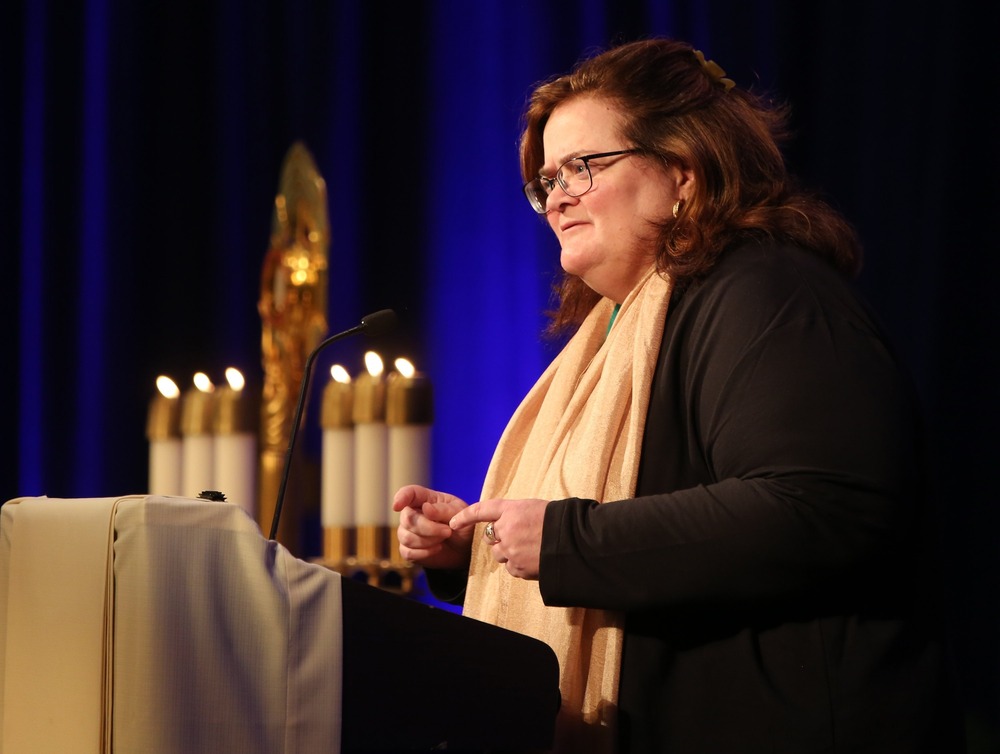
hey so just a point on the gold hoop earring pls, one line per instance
(677, 207)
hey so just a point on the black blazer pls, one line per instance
(772, 567)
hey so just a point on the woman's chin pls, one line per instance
(571, 263)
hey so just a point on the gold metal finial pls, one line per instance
(292, 309)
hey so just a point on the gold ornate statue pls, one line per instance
(292, 308)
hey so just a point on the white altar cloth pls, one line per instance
(162, 625)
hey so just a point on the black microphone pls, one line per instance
(374, 325)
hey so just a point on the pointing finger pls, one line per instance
(485, 510)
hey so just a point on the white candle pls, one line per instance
(196, 437)
(235, 443)
(409, 414)
(370, 445)
(337, 476)
(163, 433)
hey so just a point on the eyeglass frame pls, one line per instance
(549, 184)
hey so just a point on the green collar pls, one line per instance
(611, 322)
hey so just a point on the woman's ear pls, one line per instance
(685, 183)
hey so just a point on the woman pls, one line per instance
(709, 504)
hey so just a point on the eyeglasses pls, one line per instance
(573, 177)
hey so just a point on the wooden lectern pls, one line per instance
(154, 624)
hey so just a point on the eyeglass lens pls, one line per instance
(574, 177)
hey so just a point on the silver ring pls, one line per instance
(490, 534)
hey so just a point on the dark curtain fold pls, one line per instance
(140, 146)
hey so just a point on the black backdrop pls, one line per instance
(140, 145)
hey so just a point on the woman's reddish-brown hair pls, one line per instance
(678, 109)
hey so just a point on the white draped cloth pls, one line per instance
(162, 625)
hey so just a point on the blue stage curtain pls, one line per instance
(140, 148)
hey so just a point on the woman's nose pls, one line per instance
(558, 198)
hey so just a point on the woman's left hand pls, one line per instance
(517, 531)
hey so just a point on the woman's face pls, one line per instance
(607, 235)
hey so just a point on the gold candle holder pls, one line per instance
(397, 575)
(337, 486)
(370, 453)
(372, 543)
(164, 419)
(367, 561)
(234, 424)
(235, 411)
(197, 407)
(163, 430)
(338, 545)
(197, 445)
(369, 406)
(409, 397)
(409, 414)
(371, 566)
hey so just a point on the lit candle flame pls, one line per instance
(235, 379)
(167, 387)
(339, 374)
(405, 368)
(373, 362)
(203, 383)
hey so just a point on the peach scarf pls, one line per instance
(578, 433)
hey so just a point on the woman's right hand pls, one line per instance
(425, 538)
